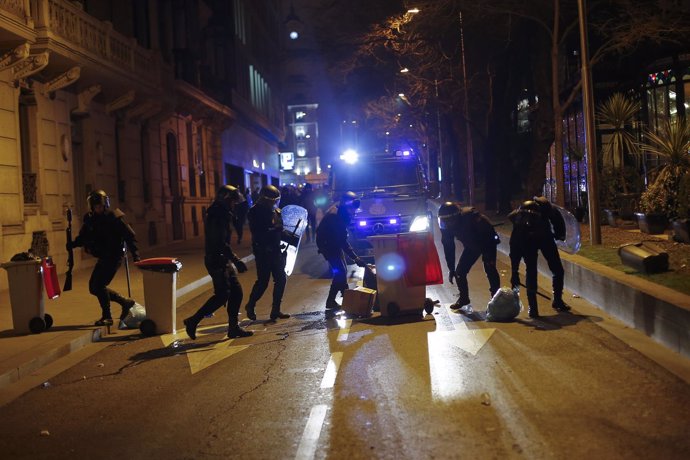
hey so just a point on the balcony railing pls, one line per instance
(15, 7)
(61, 20)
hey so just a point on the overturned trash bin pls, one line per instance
(27, 298)
(405, 264)
(644, 257)
(160, 286)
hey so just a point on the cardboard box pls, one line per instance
(359, 301)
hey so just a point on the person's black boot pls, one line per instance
(558, 304)
(331, 304)
(532, 306)
(190, 325)
(235, 332)
(277, 314)
(461, 302)
(126, 307)
(251, 314)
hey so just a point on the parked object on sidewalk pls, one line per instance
(681, 230)
(644, 257)
(160, 286)
(25, 277)
(359, 301)
(504, 306)
(134, 318)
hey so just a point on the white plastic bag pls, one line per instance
(504, 306)
(136, 315)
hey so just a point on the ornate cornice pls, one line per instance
(84, 100)
(15, 56)
(29, 66)
(63, 80)
(121, 102)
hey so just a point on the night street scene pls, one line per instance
(320, 229)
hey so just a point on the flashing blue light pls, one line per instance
(362, 223)
(349, 156)
(394, 266)
(406, 153)
(393, 221)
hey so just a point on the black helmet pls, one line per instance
(529, 205)
(446, 215)
(97, 197)
(229, 192)
(269, 196)
(350, 199)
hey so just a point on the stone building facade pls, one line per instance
(143, 99)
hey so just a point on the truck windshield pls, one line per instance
(393, 176)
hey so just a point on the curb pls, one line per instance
(24, 369)
(657, 311)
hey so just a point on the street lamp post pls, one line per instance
(590, 141)
(468, 131)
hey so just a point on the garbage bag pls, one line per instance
(504, 306)
(136, 315)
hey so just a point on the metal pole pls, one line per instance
(590, 141)
(468, 131)
(444, 176)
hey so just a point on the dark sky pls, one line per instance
(332, 30)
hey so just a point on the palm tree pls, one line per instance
(618, 111)
(672, 145)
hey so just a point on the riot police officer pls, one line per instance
(555, 230)
(478, 237)
(103, 235)
(331, 240)
(528, 232)
(219, 260)
(266, 227)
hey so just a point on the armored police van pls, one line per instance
(393, 190)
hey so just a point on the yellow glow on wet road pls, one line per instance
(446, 363)
(344, 325)
(332, 370)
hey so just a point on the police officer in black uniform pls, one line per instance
(528, 231)
(547, 227)
(548, 248)
(103, 235)
(331, 240)
(478, 237)
(266, 226)
(219, 261)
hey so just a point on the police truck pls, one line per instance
(393, 190)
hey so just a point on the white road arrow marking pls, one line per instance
(203, 357)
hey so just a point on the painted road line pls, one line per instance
(344, 332)
(332, 370)
(310, 437)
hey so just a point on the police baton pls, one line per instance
(129, 289)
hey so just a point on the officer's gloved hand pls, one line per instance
(69, 245)
(451, 276)
(241, 266)
(360, 263)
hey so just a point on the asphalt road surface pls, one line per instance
(444, 385)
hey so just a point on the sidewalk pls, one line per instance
(74, 312)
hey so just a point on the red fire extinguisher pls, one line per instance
(50, 278)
